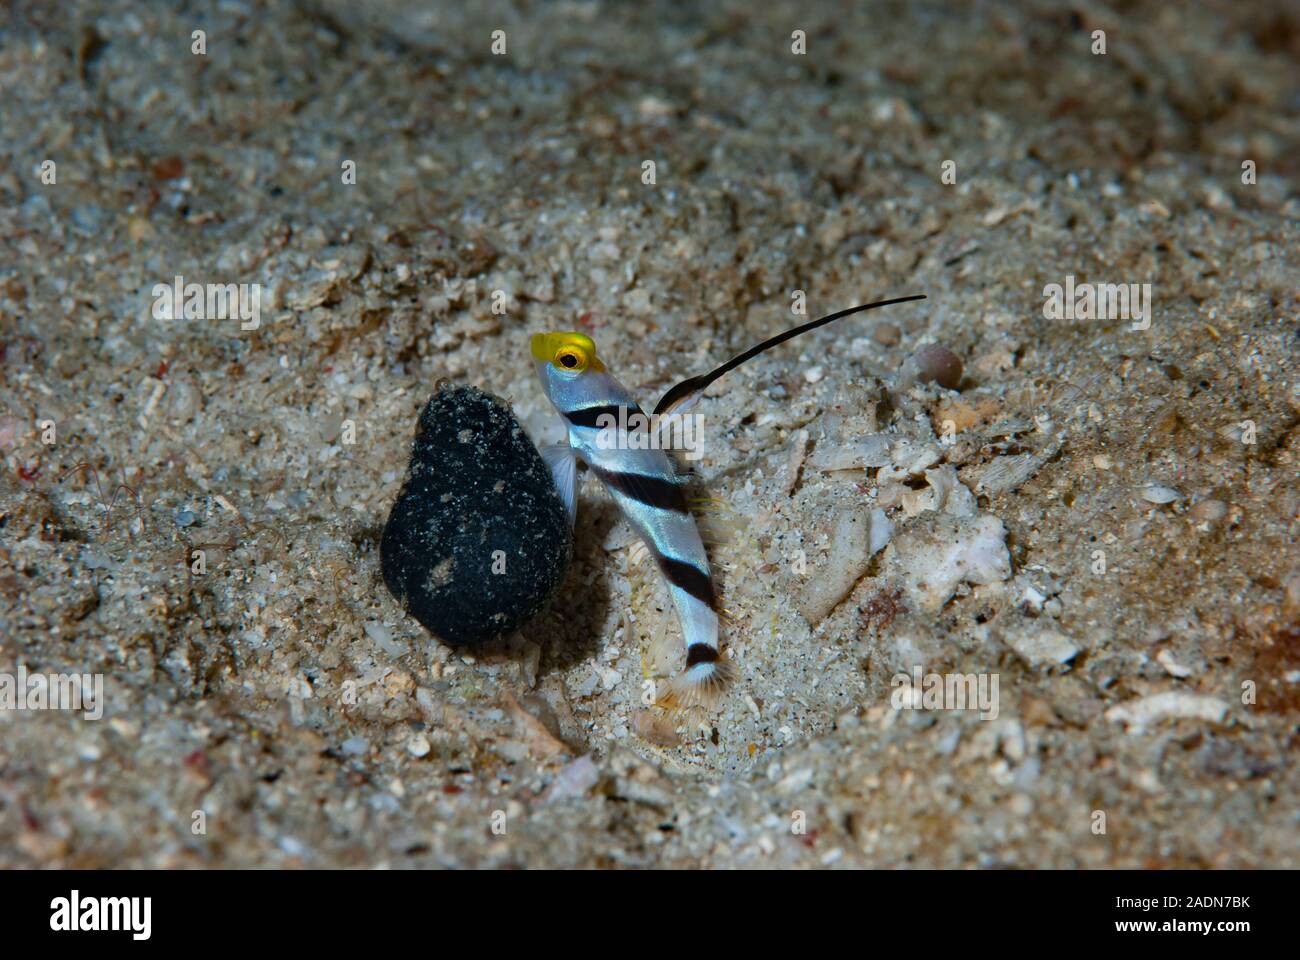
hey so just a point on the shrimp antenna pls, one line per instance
(695, 385)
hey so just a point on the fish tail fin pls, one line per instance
(701, 684)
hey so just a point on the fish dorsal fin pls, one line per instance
(692, 387)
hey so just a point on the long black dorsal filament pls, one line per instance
(687, 387)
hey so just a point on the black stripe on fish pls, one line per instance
(652, 491)
(590, 416)
(700, 653)
(690, 578)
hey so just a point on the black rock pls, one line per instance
(479, 536)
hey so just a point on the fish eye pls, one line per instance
(571, 358)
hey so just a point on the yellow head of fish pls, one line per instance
(569, 353)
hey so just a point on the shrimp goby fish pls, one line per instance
(644, 484)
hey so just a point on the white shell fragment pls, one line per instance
(881, 531)
(573, 780)
(837, 456)
(944, 493)
(930, 563)
(863, 453)
(1010, 428)
(1155, 493)
(797, 452)
(875, 450)
(1172, 666)
(857, 537)
(909, 458)
(1138, 714)
(1043, 647)
(383, 638)
(1003, 473)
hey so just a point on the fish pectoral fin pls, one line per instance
(562, 460)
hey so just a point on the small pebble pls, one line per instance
(657, 730)
(887, 334)
(939, 364)
(1209, 511)
(184, 518)
(573, 780)
(1174, 668)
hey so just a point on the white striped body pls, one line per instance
(644, 485)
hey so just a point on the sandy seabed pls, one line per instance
(1099, 523)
